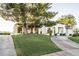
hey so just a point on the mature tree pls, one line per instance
(68, 20)
(17, 12)
(42, 15)
(27, 13)
(50, 23)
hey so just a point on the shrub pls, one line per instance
(40, 32)
(55, 34)
(70, 34)
(75, 35)
(62, 34)
(5, 33)
(49, 31)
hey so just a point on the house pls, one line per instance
(9, 26)
(57, 29)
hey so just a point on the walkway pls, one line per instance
(69, 47)
(6, 46)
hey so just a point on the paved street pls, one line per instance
(7, 46)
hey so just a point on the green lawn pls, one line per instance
(34, 45)
(75, 39)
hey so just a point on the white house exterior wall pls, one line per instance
(44, 29)
(53, 28)
(60, 25)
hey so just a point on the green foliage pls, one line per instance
(32, 11)
(49, 31)
(50, 23)
(35, 14)
(5, 33)
(68, 20)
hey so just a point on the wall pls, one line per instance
(56, 28)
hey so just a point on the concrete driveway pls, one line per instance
(7, 46)
(69, 47)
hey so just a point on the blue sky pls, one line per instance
(65, 9)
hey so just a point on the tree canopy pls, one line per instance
(36, 14)
(68, 20)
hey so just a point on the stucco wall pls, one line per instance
(56, 28)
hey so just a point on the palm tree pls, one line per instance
(68, 21)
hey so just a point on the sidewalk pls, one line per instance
(7, 46)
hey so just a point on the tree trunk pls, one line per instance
(31, 30)
(24, 29)
(36, 30)
(54, 31)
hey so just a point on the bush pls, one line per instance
(62, 34)
(75, 35)
(5, 33)
(55, 34)
(70, 34)
(40, 32)
(49, 31)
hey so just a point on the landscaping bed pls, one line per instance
(34, 45)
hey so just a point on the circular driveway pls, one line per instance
(66, 45)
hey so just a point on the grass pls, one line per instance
(75, 39)
(34, 45)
